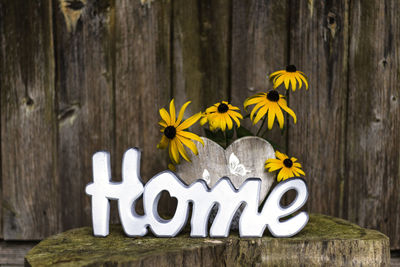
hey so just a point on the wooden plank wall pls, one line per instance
(78, 76)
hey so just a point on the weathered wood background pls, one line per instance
(78, 76)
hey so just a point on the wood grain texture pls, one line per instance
(251, 153)
(373, 132)
(142, 80)
(13, 253)
(242, 159)
(319, 47)
(84, 83)
(325, 241)
(201, 46)
(28, 122)
(1, 78)
(259, 47)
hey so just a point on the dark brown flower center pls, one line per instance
(222, 108)
(288, 163)
(170, 132)
(291, 68)
(273, 96)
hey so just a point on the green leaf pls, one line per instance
(273, 144)
(217, 136)
(241, 132)
(229, 133)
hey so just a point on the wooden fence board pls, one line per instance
(259, 47)
(1, 78)
(201, 41)
(319, 47)
(28, 122)
(142, 79)
(84, 83)
(373, 133)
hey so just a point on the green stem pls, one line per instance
(262, 124)
(226, 139)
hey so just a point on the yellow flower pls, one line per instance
(220, 116)
(174, 134)
(290, 75)
(288, 167)
(172, 167)
(271, 102)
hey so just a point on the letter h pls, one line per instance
(103, 189)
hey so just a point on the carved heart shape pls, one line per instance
(243, 159)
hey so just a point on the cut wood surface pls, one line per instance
(324, 241)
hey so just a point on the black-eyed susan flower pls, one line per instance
(288, 167)
(174, 135)
(221, 116)
(289, 76)
(271, 103)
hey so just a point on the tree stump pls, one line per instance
(324, 241)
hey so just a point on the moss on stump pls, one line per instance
(325, 240)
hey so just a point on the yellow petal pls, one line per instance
(171, 167)
(282, 104)
(191, 136)
(229, 122)
(279, 81)
(274, 167)
(296, 164)
(181, 150)
(256, 107)
(253, 100)
(233, 107)
(170, 154)
(163, 124)
(260, 114)
(299, 81)
(300, 171)
(276, 73)
(280, 155)
(281, 175)
(231, 112)
(181, 112)
(293, 82)
(203, 120)
(188, 143)
(172, 111)
(222, 122)
(235, 119)
(304, 80)
(165, 116)
(286, 80)
(277, 77)
(189, 122)
(174, 150)
(211, 109)
(279, 116)
(163, 143)
(271, 116)
(272, 161)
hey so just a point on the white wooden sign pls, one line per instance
(252, 222)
